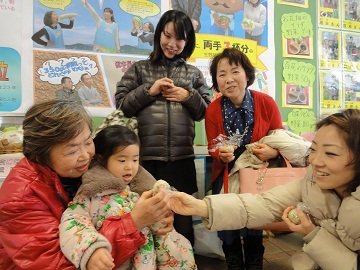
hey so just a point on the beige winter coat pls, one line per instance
(333, 245)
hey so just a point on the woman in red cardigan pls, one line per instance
(251, 115)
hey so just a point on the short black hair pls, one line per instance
(47, 18)
(84, 74)
(63, 79)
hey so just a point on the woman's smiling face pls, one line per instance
(331, 160)
(170, 44)
(232, 80)
(71, 159)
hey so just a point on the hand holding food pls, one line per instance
(160, 183)
(293, 215)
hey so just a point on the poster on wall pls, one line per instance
(329, 45)
(329, 15)
(300, 47)
(296, 3)
(330, 90)
(297, 35)
(339, 57)
(296, 96)
(125, 26)
(90, 44)
(351, 86)
(351, 49)
(351, 15)
(11, 59)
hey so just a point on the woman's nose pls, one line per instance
(84, 154)
(229, 79)
(315, 159)
(172, 41)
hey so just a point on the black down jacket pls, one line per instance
(166, 129)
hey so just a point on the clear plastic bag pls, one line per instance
(224, 141)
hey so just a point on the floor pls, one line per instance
(278, 249)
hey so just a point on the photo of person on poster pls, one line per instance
(329, 4)
(107, 33)
(144, 32)
(222, 16)
(330, 46)
(331, 87)
(191, 8)
(352, 51)
(351, 8)
(67, 91)
(52, 31)
(254, 20)
(88, 93)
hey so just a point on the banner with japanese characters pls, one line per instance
(94, 42)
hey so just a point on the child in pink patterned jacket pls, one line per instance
(108, 191)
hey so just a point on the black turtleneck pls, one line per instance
(71, 185)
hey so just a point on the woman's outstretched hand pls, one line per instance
(185, 204)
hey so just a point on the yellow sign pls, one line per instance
(140, 8)
(208, 45)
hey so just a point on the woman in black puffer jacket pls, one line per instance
(167, 95)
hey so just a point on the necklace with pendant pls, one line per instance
(236, 138)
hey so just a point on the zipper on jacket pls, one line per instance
(172, 65)
(168, 116)
(168, 127)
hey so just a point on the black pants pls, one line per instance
(181, 175)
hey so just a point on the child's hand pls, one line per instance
(150, 209)
(100, 260)
(168, 222)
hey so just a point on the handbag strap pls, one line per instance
(288, 165)
(262, 171)
(226, 179)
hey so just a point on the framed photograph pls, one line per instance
(351, 49)
(329, 48)
(330, 89)
(296, 96)
(329, 13)
(351, 86)
(296, 3)
(351, 16)
(298, 47)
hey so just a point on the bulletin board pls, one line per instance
(32, 71)
(339, 63)
(296, 64)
